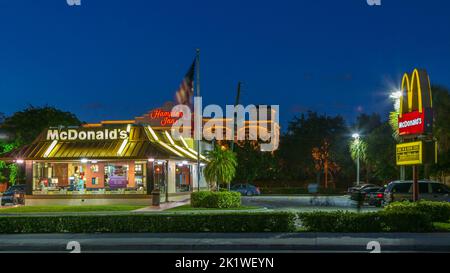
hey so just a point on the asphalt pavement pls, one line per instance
(227, 242)
(304, 202)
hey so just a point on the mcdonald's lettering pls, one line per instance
(415, 115)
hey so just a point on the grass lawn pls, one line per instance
(189, 208)
(83, 208)
(442, 227)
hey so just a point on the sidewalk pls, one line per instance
(164, 206)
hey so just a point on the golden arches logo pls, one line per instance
(418, 92)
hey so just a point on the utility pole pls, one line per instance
(357, 170)
(198, 95)
(233, 130)
(236, 103)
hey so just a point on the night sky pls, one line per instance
(117, 59)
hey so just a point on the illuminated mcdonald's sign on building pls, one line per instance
(415, 115)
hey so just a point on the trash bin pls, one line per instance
(156, 197)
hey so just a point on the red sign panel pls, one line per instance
(411, 123)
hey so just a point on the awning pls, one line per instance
(139, 145)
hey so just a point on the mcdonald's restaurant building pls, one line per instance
(110, 162)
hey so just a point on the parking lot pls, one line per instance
(305, 203)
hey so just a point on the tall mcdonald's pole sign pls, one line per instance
(415, 124)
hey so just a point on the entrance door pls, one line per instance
(160, 179)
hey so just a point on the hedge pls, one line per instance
(221, 199)
(438, 211)
(201, 222)
(383, 221)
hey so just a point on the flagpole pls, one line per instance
(198, 136)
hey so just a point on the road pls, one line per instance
(304, 202)
(227, 242)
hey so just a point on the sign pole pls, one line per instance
(415, 184)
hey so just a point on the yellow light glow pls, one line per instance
(169, 138)
(155, 137)
(190, 149)
(410, 84)
(122, 146)
(170, 148)
(50, 148)
(124, 142)
(178, 147)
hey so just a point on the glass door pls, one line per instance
(159, 174)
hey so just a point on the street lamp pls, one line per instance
(396, 96)
(356, 138)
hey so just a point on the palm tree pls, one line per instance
(393, 121)
(221, 167)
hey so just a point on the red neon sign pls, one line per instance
(165, 117)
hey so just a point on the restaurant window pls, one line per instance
(85, 178)
(139, 176)
(116, 176)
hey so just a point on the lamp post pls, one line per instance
(356, 139)
(396, 96)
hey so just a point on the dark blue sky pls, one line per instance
(116, 59)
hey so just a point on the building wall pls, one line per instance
(100, 176)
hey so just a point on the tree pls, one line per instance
(305, 133)
(8, 170)
(221, 167)
(380, 153)
(324, 163)
(254, 165)
(27, 124)
(441, 130)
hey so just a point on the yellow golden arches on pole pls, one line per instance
(417, 98)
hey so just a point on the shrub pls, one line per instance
(405, 221)
(384, 221)
(198, 198)
(221, 199)
(340, 221)
(438, 211)
(201, 222)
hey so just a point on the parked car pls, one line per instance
(360, 187)
(376, 198)
(428, 190)
(246, 189)
(14, 195)
(364, 192)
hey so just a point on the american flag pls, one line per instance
(185, 92)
